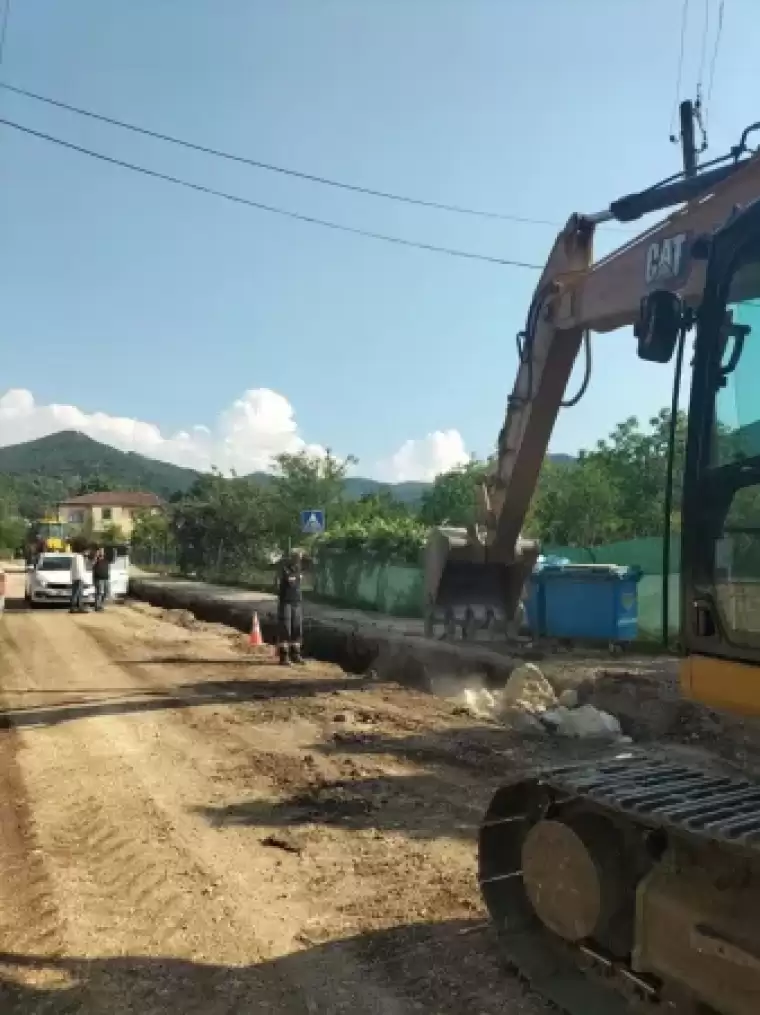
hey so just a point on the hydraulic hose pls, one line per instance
(572, 402)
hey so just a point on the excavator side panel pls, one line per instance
(722, 683)
(696, 925)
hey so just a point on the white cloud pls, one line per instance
(247, 435)
(425, 458)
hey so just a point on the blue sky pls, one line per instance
(126, 296)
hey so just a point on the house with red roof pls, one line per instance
(98, 512)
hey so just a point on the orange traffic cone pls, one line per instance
(254, 638)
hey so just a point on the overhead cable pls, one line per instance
(714, 58)
(4, 28)
(679, 68)
(269, 166)
(273, 168)
(261, 206)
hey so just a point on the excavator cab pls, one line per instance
(721, 513)
(721, 497)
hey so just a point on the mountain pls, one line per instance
(356, 487)
(71, 457)
(408, 493)
(58, 464)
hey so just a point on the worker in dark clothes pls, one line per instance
(290, 610)
(101, 576)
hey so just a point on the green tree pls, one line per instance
(225, 526)
(398, 538)
(111, 533)
(451, 500)
(95, 483)
(614, 491)
(37, 495)
(12, 534)
(9, 505)
(305, 480)
(634, 460)
(575, 505)
(371, 506)
(151, 529)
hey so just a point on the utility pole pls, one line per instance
(689, 115)
(688, 148)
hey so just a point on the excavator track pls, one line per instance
(629, 884)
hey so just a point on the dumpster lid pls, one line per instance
(593, 572)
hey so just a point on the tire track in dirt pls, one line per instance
(441, 968)
(116, 872)
(316, 769)
(110, 757)
(164, 910)
(30, 922)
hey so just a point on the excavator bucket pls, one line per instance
(467, 592)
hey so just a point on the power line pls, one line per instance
(286, 213)
(703, 49)
(679, 71)
(4, 28)
(716, 48)
(271, 167)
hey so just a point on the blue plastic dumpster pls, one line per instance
(592, 602)
(533, 596)
(533, 601)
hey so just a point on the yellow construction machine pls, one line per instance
(636, 880)
(50, 534)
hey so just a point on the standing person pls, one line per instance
(101, 576)
(78, 578)
(290, 610)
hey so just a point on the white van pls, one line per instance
(119, 583)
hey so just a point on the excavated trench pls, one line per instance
(408, 659)
(641, 691)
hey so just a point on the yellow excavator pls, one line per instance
(636, 880)
(49, 534)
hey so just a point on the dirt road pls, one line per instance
(184, 828)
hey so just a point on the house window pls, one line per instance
(76, 517)
(107, 514)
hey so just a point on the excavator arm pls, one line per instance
(575, 296)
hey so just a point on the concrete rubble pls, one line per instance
(528, 704)
(529, 690)
(586, 721)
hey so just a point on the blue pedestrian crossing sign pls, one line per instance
(312, 522)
